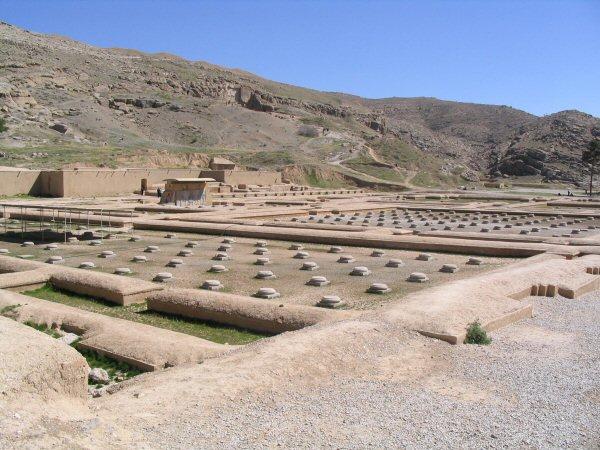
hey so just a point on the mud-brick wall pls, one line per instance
(51, 183)
(15, 182)
(85, 183)
(235, 177)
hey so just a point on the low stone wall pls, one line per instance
(10, 264)
(398, 242)
(113, 288)
(24, 281)
(308, 193)
(244, 312)
(145, 347)
(575, 203)
(491, 236)
(494, 298)
(116, 289)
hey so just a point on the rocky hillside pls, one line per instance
(550, 147)
(70, 104)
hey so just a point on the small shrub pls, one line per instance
(477, 335)
(3, 126)
(315, 120)
(309, 131)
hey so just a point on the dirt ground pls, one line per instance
(240, 279)
(535, 386)
(534, 225)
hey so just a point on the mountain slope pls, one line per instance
(68, 103)
(550, 146)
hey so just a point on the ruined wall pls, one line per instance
(51, 183)
(111, 182)
(236, 177)
(106, 182)
(15, 182)
(99, 182)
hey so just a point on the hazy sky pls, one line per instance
(540, 56)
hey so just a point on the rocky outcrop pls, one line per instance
(254, 100)
(377, 125)
(526, 162)
(549, 147)
(61, 128)
(258, 103)
(137, 102)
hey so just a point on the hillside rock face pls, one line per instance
(56, 93)
(550, 147)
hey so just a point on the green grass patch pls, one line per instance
(113, 367)
(312, 178)
(60, 155)
(370, 167)
(316, 120)
(18, 197)
(8, 309)
(266, 159)
(139, 313)
(477, 335)
(409, 158)
(43, 328)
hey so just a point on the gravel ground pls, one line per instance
(536, 386)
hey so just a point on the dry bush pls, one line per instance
(309, 131)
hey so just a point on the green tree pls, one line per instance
(591, 159)
(3, 126)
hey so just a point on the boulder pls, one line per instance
(377, 125)
(148, 103)
(61, 128)
(98, 375)
(243, 95)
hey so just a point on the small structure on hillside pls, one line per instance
(187, 191)
(218, 163)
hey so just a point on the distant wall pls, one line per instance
(15, 182)
(85, 182)
(235, 177)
